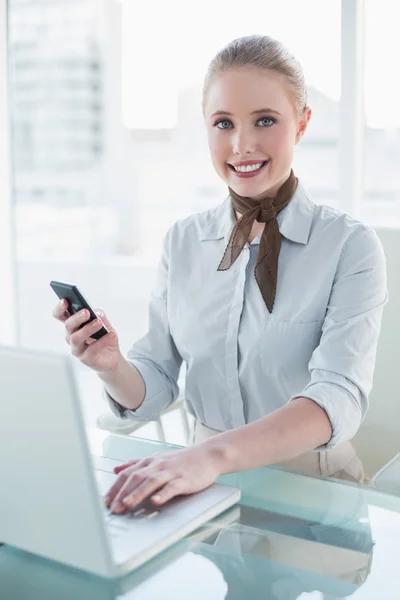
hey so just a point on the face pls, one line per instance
(253, 126)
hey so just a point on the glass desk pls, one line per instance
(292, 536)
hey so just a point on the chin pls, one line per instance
(250, 189)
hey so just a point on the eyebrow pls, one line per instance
(255, 112)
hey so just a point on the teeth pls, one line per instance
(248, 168)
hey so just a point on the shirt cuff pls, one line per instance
(343, 411)
(154, 399)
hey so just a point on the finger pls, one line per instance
(131, 483)
(80, 339)
(109, 498)
(124, 466)
(102, 315)
(135, 462)
(170, 490)
(93, 347)
(73, 323)
(105, 339)
(60, 311)
(127, 481)
(138, 463)
(151, 484)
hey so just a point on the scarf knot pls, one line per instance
(266, 213)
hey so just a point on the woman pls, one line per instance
(274, 303)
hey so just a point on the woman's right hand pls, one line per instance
(100, 355)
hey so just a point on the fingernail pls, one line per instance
(156, 498)
(107, 500)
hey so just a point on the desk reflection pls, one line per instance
(246, 553)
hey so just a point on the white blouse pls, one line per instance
(242, 362)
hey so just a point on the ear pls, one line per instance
(302, 124)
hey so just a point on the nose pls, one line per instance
(243, 142)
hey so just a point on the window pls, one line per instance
(106, 158)
(109, 148)
(95, 190)
(382, 132)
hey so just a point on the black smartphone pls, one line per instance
(76, 302)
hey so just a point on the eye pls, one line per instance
(223, 124)
(266, 121)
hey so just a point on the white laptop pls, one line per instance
(51, 500)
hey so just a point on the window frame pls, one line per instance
(8, 294)
(352, 107)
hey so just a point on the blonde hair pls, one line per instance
(263, 52)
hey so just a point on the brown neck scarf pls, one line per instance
(264, 211)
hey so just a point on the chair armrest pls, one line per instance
(388, 477)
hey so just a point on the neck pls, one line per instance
(269, 193)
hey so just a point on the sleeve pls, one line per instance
(342, 366)
(155, 355)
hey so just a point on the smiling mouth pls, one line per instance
(244, 169)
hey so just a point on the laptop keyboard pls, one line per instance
(117, 525)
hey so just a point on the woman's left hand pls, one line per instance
(162, 477)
